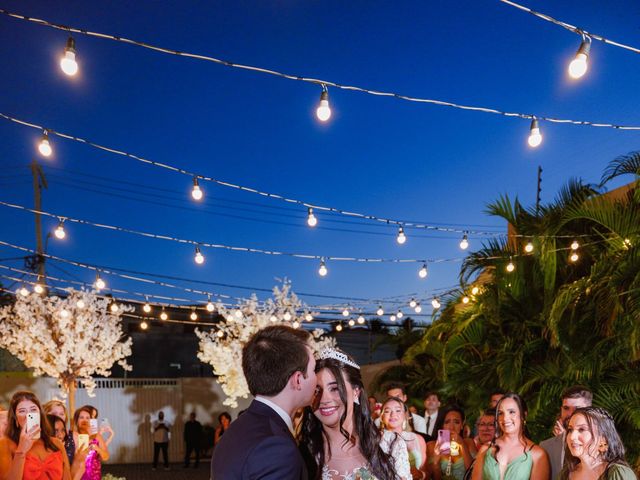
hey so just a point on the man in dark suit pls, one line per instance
(279, 366)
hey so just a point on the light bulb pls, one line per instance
(401, 238)
(210, 307)
(196, 192)
(464, 243)
(312, 221)
(308, 317)
(323, 112)
(626, 243)
(413, 303)
(24, 292)
(146, 308)
(286, 316)
(193, 316)
(163, 315)
(392, 318)
(423, 272)
(574, 257)
(44, 147)
(114, 307)
(575, 245)
(435, 303)
(322, 271)
(220, 333)
(345, 312)
(528, 247)
(399, 314)
(238, 313)
(360, 319)
(80, 304)
(418, 308)
(465, 299)
(380, 311)
(144, 325)
(99, 284)
(68, 63)
(351, 322)
(64, 313)
(59, 232)
(510, 266)
(295, 324)
(578, 66)
(338, 328)
(38, 288)
(198, 258)
(273, 318)
(535, 137)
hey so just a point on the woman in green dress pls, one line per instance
(593, 448)
(512, 456)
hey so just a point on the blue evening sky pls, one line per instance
(376, 155)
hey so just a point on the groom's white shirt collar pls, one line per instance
(281, 413)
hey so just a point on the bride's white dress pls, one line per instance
(356, 468)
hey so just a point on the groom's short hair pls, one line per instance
(271, 356)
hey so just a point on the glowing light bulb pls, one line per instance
(198, 258)
(338, 328)
(418, 308)
(59, 231)
(464, 243)
(401, 238)
(273, 318)
(196, 192)
(44, 147)
(220, 333)
(286, 316)
(423, 272)
(475, 290)
(114, 308)
(380, 311)
(210, 306)
(24, 292)
(392, 318)
(399, 314)
(351, 322)
(322, 271)
(193, 316)
(64, 313)
(575, 245)
(38, 288)
(80, 304)
(345, 312)
(360, 319)
(68, 63)
(465, 299)
(99, 284)
(574, 257)
(295, 324)
(144, 325)
(164, 316)
(312, 221)
(435, 303)
(146, 308)
(578, 66)
(238, 313)
(510, 266)
(308, 317)
(626, 243)
(528, 247)
(535, 137)
(323, 112)
(413, 303)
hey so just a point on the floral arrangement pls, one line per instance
(69, 338)
(222, 348)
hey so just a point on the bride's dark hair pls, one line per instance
(364, 429)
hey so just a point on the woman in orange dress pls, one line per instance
(33, 453)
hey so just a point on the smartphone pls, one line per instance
(93, 426)
(104, 425)
(83, 441)
(33, 418)
(444, 440)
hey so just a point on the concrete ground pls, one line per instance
(141, 471)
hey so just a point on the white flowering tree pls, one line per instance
(222, 347)
(68, 338)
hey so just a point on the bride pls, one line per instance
(338, 435)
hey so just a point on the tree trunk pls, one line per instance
(70, 386)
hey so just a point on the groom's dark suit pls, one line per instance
(258, 445)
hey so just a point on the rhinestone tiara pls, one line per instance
(334, 354)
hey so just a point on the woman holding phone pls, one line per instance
(30, 451)
(451, 454)
(57, 408)
(90, 437)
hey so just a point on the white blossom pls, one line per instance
(224, 352)
(56, 337)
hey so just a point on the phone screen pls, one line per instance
(444, 439)
(93, 426)
(83, 441)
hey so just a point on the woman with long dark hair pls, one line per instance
(512, 456)
(338, 437)
(454, 462)
(593, 448)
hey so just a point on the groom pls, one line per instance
(279, 367)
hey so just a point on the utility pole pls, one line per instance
(39, 181)
(539, 190)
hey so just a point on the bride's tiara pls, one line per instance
(334, 354)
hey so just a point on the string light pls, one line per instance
(146, 308)
(196, 192)
(198, 258)
(351, 322)
(308, 317)
(144, 325)
(435, 303)
(295, 324)
(193, 316)
(510, 266)
(68, 63)
(380, 311)
(286, 316)
(345, 312)
(210, 306)
(59, 231)
(401, 238)
(418, 308)
(528, 247)
(220, 333)
(44, 147)
(475, 290)
(423, 272)
(312, 221)
(413, 303)
(24, 292)
(80, 304)
(392, 318)
(574, 257)
(114, 308)
(465, 299)
(163, 315)
(464, 243)
(322, 271)
(38, 288)
(575, 245)
(323, 112)
(535, 137)
(339, 327)
(399, 314)
(99, 284)
(361, 319)
(578, 66)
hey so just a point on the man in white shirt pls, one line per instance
(431, 412)
(397, 391)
